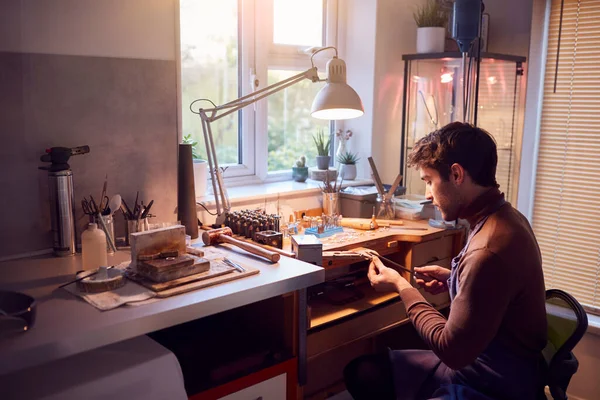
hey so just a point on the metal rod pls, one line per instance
(213, 177)
(465, 85)
(235, 102)
(254, 99)
(221, 184)
(405, 111)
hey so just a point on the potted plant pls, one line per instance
(200, 167)
(322, 150)
(431, 20)
(348, 162)
(300, 171)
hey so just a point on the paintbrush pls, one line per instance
(82, 278)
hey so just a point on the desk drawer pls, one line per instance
(431, 251)
(361, 326)
(271, 389)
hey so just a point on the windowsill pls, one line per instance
(274, 190)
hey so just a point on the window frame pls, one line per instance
(257, 55)
(288, 57)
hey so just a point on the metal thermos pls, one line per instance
(62, 211)
(62, 199)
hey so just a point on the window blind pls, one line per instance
(566, 212)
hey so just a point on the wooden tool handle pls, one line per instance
(250, 248)
(358, 223)
(394, 187)
(376, 177)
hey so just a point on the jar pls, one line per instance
(384, 207)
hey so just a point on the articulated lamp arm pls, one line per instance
(209, 115)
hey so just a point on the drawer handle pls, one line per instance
(259, 398)
(432, 259)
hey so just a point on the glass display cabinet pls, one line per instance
(433, 97)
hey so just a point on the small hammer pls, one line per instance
(224, 235)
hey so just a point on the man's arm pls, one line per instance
(476, 312)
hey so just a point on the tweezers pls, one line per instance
(234, 265)
(398, 266)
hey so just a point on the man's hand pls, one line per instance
(384, 279)
(434, 280)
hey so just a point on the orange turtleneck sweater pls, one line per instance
(501, 293)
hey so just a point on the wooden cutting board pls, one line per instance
(218, 273)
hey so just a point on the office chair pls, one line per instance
(567, 322)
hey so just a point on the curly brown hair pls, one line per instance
(458, 143)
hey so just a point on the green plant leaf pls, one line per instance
(430, 14)
(348, 158)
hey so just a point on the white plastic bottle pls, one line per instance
(93, 248)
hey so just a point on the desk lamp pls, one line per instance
(335, 101)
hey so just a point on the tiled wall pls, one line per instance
(124, 109)
(76, 72)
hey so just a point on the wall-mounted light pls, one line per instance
(447, 77)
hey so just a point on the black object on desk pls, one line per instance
(17, 311)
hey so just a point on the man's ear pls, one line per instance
(457, 174)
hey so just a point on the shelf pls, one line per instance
(323, 312)
(456, 54)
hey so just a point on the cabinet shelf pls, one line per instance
(323, 312)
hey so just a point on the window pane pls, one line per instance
(289, 123)
(209, 69)
(298, 23)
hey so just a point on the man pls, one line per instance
(490, 345)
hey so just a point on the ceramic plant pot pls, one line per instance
(299, 174)
(431, 40)
(323, 162)
(348, 172)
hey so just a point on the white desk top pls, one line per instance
(67, 325)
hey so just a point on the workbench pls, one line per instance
(66, 326)
(344, 328)
(234, 321)
(339, 333)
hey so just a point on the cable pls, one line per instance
(197, 100)
(433, 121)
(203, 206)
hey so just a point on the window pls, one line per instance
(567, 190)
(231, 47)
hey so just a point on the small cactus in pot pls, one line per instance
(300, 170)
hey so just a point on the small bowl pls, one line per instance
(16, 307)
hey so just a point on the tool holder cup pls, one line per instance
(384, 207)
(135, 225)
(109, 222)
(331, 203)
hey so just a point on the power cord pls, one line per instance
(206, 209)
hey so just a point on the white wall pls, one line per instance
(373, 37)
(357, 33)
(109, 28)
(585, 384)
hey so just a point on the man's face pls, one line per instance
(444, 194)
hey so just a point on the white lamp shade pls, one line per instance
(337, 101)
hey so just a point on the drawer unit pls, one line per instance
(431, 251)
(271, 389)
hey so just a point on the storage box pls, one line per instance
(409, 207)
(308, 248)
(358, 201)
